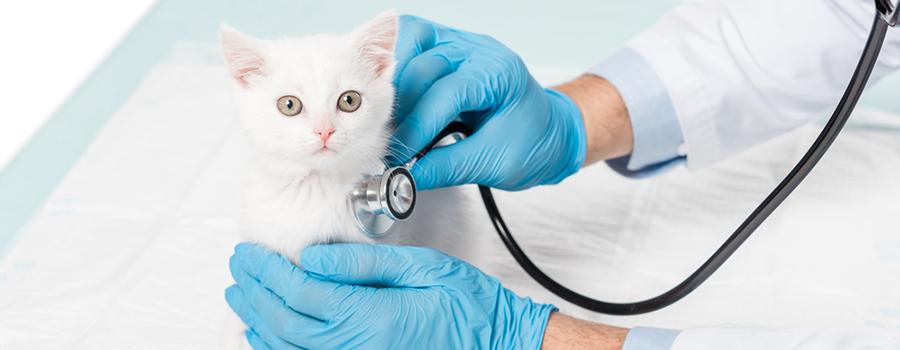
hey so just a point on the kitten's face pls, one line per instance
(318, 102)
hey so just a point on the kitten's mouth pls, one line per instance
(324, 150)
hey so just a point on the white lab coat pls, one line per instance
(740, 72)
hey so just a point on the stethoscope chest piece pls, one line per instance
(381, 199)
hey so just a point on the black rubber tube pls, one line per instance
(757, 217)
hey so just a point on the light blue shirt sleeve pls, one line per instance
(654, 123)
(645, 338)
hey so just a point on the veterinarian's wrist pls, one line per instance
(606, 121)
(566, 332)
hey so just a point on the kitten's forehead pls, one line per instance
(323, 61)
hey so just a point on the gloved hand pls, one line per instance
(359, 296)
(525, 135)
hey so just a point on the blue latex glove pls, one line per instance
(525, 135)
(359, 296)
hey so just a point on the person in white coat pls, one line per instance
(706, 82)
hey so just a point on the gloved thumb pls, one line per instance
(367, 264)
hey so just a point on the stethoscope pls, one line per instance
(382, 199)
(379, 200)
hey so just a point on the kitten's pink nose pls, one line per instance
(324, 134)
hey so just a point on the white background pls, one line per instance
(48, 48)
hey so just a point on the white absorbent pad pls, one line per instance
(131, 250)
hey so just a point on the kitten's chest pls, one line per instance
(298, 213)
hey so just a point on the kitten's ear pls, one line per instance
(376, 40)
(243, 55)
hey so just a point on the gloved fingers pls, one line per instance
(464, 162)
(266, 266)
(459, 92)
(372, 265)
(255, 341)
(264, 337)
(266, 308)
(420, 75)
(252, 265)
(416, 35)
(421, 72)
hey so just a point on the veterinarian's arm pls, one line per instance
(606, 120)
(566, 332)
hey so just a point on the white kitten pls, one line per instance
(316, 110)
(307, 153)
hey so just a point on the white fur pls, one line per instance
(295, 194)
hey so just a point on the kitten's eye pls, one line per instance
(289, 105)
(349, 101)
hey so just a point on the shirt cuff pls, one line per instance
(643, 338)
(654, 123)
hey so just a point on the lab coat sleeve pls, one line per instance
(656, 134)
(740, 72)
(645, 338)
(737, 338)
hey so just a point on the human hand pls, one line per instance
(359, 296)
(525, 135)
